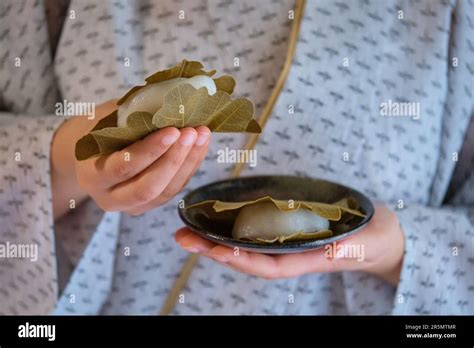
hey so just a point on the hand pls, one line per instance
(160, 165)
(381, 243)
(63, 161)
(142, 176)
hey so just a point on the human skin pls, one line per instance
(382, 238)
(173, 156)
(134, 180)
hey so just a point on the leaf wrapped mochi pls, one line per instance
(181, 106)
(338, 213)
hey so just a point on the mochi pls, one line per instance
(150, 98)
(264, 220)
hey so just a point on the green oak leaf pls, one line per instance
(225, 83)
(187, 69)
(219, 112)
(186, 106)
(339, 212)
(106, 138)
(297, 236)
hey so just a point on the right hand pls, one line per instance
(159, 166)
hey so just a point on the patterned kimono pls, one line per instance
(351, 58)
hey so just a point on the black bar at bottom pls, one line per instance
(136, 330)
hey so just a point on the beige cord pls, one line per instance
(191, 261)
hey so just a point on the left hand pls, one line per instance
(381, 244)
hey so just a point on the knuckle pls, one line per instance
(175, 161)
(194, 155)
(144, 195)
(155, 151)
(122, 169)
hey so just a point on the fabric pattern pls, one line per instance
(27, 89)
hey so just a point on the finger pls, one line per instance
(282, 266)
(198, 164)
(256, 264)
(202, 157)
(125, 164)
(262, 265)
(192, 161)
(182, 232)
(191, 242)
(242, 262)
(259, 265)
(149, 184)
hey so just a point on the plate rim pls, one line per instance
(287, 247)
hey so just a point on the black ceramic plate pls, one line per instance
(278, 187)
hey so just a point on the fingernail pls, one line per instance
(192, 250)
(169, 139)
(219, 258)
(202, 138)
(187, 138)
